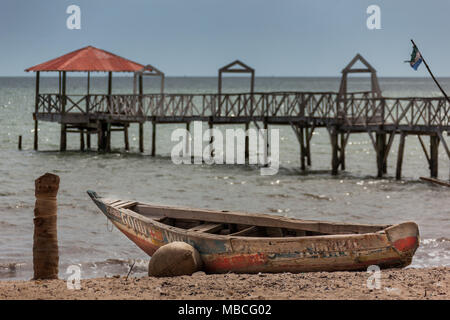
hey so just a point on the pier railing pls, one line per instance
(354, 109)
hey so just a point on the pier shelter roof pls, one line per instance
(89, 59)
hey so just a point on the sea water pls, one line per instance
(86, 238)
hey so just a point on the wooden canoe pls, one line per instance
(250, 243)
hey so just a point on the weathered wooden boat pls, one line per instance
(250, 243)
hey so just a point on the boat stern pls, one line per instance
(404, 238)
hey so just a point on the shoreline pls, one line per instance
(398, 284)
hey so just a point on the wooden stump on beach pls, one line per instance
(174, 259)
(45, 246)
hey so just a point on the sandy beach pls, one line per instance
(426, 283)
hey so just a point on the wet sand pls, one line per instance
(427, 283)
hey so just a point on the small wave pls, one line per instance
(318, 196)
(278, 195)
(7, 224)
(7, 194)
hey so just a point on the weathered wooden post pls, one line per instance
(141, 137)
(308, 146)
(342, 151)
(108, 137)
(82, 140)
(19, 146)
(45, 246)
(36, 110)
(125, 137)
(401, 150)
(335, 150)
(88, 139)
(434, 155)
(302, 148)
(247, 152)
(153, 138)
(63, 136)
(381, 150)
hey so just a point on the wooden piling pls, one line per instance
(401, 149)
(308, 137)
(141, 137)
(88, 139)
(266, 136)
(19, 145)
(247, 152)
(125, 137)
(36, 109)
(380, 150)
(45, 240)
(434, 155)
(188, 142)
(102, 131)
(108, 137)
(302, 148)
(334, 151)
(81, 140)
(63, 138)
(153, 138)
(211, 137)
(342, 151)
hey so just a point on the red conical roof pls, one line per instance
(88, 59)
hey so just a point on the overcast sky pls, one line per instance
(196, 37)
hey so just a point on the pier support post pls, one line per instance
(153, 138)
(381, 149)
(247, 152)
(141, 137)
(309, 133)
(102, 129)
(211, 138)
(45, 239)
(401, 149)
(334, 151)
(82, 140)
(125, 137)
(267, 146)
(188, 141)
(434, 153)
(63, 138)
(342, 151)
(108, 137)
(36, 110)
(88, 139)
(302, 148)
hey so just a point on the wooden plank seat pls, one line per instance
(207, 227)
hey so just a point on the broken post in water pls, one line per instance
(45, 246)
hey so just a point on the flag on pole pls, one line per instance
(416, 58)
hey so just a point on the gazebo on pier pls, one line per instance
(88, 59)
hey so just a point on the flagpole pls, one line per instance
(431, 73)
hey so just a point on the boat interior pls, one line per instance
(239, 223)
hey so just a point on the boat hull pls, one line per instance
(392, 248)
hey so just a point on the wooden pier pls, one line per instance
(341, 113)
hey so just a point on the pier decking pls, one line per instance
(341, 113)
